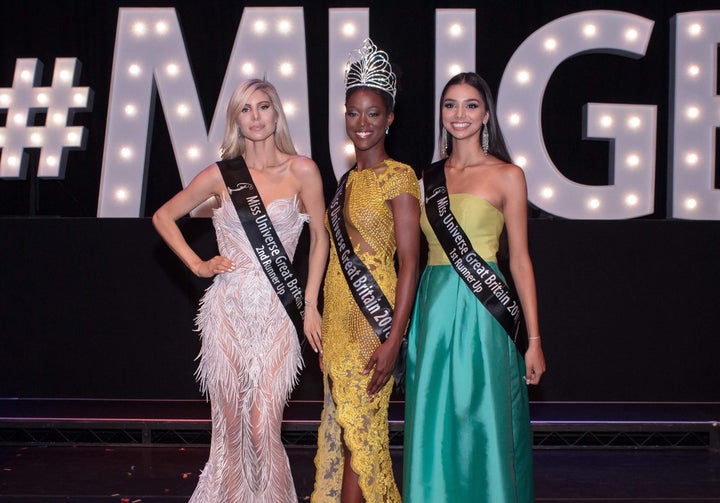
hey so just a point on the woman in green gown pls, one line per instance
(467, 425)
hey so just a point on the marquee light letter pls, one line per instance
(346, 31)
(633, 127)
(454, 51)
(631, 131)
(149, 52)
(26, 99)
(695, 115)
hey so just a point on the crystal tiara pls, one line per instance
(370, 67)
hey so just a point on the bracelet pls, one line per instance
(531, 338)
(308, 303)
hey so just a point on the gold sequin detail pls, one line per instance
(349, 341)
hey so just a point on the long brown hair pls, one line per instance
(497, 145)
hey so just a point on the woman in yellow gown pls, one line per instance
(381, 214)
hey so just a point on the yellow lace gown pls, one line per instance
(349, 414)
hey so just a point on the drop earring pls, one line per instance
(444, 142)
(485, 138)
(387, 130)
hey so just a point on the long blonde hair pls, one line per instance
(233, 144)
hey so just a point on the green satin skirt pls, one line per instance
(467, 423)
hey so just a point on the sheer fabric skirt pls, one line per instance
(249, 364)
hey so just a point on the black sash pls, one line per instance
(365, 290)
(263, 238)
(487, 286)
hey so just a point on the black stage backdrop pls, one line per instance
(99, 307)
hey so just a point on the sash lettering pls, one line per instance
(365, 290)
(367, 293)
(263, 238)
(487, 286)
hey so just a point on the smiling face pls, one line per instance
(366, 119)
(463, 111)
(257, 118)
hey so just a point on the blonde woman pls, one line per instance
(250, 316)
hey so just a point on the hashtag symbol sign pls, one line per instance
(25, 101)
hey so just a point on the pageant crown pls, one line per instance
(370, 67)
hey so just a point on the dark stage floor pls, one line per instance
(143, 451)
(145, 474)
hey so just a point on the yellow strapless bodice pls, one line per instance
(481, 221)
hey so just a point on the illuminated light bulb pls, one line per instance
(284, 26)
(690, 203)
(634, 122)
(161, 27)
(13, 161)
(183, 110)
(593, 203)
(455, 30)
(515, 119)
(289, 108)
(58, 118)
(19, 119)
(606, 121)
(79, 98)
(692, 112)
(36, 138)
(42, 98)
(2, 140)
(139, 29)
(521, 161)
(547, 192)
(454, 69)
(633, 160)
(134, 70)
(260, 26)
(193, 152)
(73, 137)
(349, 149)
(248, 69)
(130, 110)
(349, 29)
(695, 29)
(286, 69)
(121, 195)
(51, 160)
(4, 99)
(693, 70)
(692, 158)
(126, 152)
(172, 69)
(631, 200)
(631, 35)
(589, 30)
(523, 76)
(550, 44)
(26, 75)
(65, 76)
